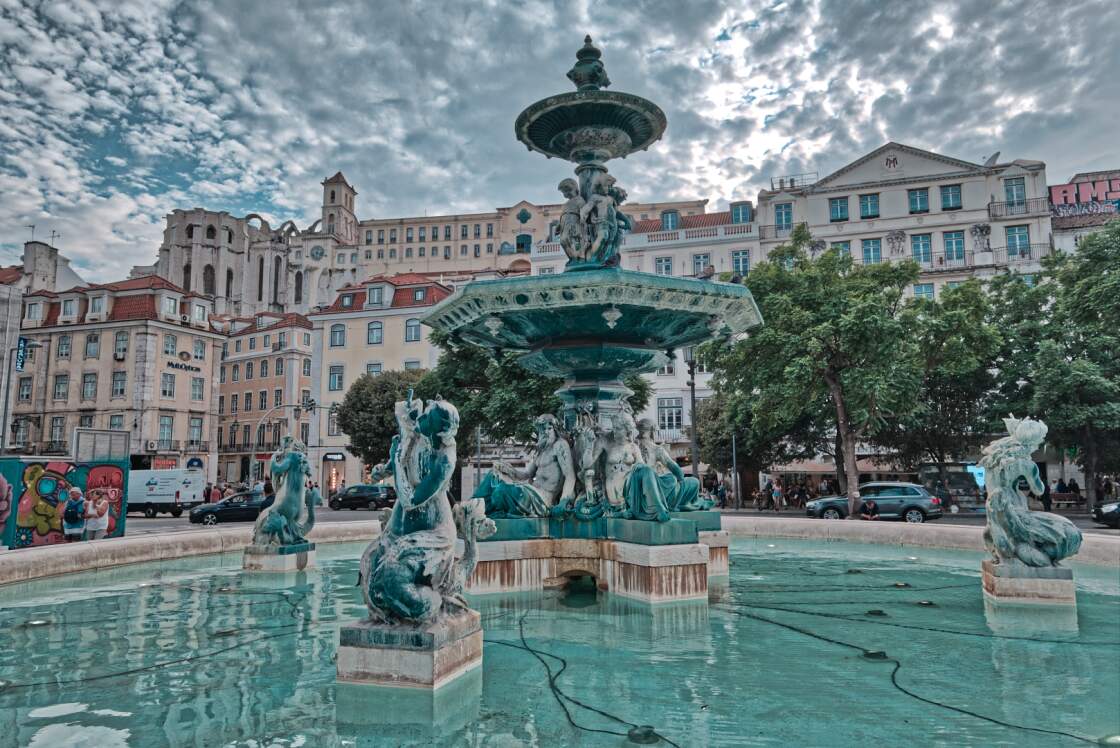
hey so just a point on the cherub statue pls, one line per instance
(622, 221)
(599, 215)
(1014, 533)
(572, 231)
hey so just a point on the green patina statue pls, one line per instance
(1014, 533)
(292, 513)
(681, 492)
(409, 574)
(533, 491)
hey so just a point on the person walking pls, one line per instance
(74, 515)
(777, 496)
(1045, 497)
(97, 515)
(215, 495)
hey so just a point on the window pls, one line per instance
(381, 236)
(954, 246)
(844, 248)
(334, 383)
(34, 310)
(198, 388)
(670, 413)
(374, 333)
(68, 308)
(667, 370)
(199, 350)
(392, 236)
(741, 261)
(923, 291)
(245, 436)
(869, 206)
(248, 370)
(307, 338)
(194, 430)
(170, 345)
(24, 389)
(221, 404)
(118, 383)
(1018, 241)
(278, 369)
(247, 402)
(89, 386)
(700, 263)
(783, 215)
(369, 254)
(412, 331)
(338, 336)
(199, 313)
(332, 424)
(305, 396)
(252, 344)
(463, 250)
(277, 398)
(418, 294)
(166, 428)
(236, 373)
(921, 246)
(478, 250)
(264, 368)
(63, 350)
(950, 197)
(376, 297)
(237, 346)
(369, 237)
(422, 233)
(373, 369)
(421, 251)
(93, 345)
(411, 365)
(477, 231)
(307, 367)
(353, 258)
(463, 231)
(408, 234)
(489, 231)
(1015, 190)
(838, 208)
(233, 401)
(872, 251)
(663, 265)
(446, 233)
(919, 200)
(166, 385)
(262, 400)
(304, 432)
(116, 422)
(58, 425)
(740, 212)
(545, 271)
(170, 305)
(120, 345)
(97, 305)
(670, 220)
(489, 248)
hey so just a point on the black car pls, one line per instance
(905, 501)
(241, 507)
(363, 497)
(1107, 514)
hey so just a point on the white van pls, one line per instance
(173, 491)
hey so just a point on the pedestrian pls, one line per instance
(268, 490)
(1074, 488)
(869, 510)
(1045, 497)
(74, 515)
(97, 515)
(215, 495)
(1062, 487)
(721, 494)
(777, 496)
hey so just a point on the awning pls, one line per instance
(865, 465)
(334, 457)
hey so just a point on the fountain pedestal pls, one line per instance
(1019, 583)
(410, 656)
(297, 557)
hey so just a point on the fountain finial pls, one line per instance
(588, 73)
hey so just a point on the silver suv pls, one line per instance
(906, 501)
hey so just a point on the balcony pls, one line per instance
(52, 448)
(225, 448)
(267, 445)
(778, 231)
(1021, 255)
(197, 446)
(1035, 206)
(163, 445)
(695, 236)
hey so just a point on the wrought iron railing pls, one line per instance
(1026, 207)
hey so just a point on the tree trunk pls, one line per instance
(847, 444)
(838, 461)
(1090, 468)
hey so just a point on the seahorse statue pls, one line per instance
(1014, 532)
(292, 514)
(408, 573)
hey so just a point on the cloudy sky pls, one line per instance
(113, 113)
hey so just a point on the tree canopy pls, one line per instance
(366, 414)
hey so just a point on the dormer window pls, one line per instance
(68, 307)
(170, 305)
(34, 310)
(740, 212)
(670, 220)
(347, 301)
(418, 294)
(199, 313)
(376, 296)
(97, 305)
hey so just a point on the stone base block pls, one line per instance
(719, 558)
(649, 573)
(279, 558)
(1019, 583)
(705, 521)
(406, 716)
(520, 528)
(673, 532)
(407, 656)
(577, 529)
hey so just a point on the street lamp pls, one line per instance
(694, 449)
(8, 360)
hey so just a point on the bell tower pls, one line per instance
(338, 209)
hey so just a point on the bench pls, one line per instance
(1067, 499)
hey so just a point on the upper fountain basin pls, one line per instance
(617, 312)
(584, 126)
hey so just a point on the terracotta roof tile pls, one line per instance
(11, 274)
(702, 220)
(133, 307)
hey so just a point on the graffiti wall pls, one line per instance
(33, 494)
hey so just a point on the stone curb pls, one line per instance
(1095, 549)
(53, 560)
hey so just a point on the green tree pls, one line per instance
(1021, 312)
(956, 347)
(366, 414)
(833, 331)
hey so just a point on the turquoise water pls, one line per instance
(196, 653)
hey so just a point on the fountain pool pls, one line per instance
(804, 644)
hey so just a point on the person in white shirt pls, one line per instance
(97, 515)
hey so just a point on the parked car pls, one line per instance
(905, 501)
(240, 507)
(1107, 514)
(363, 496)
